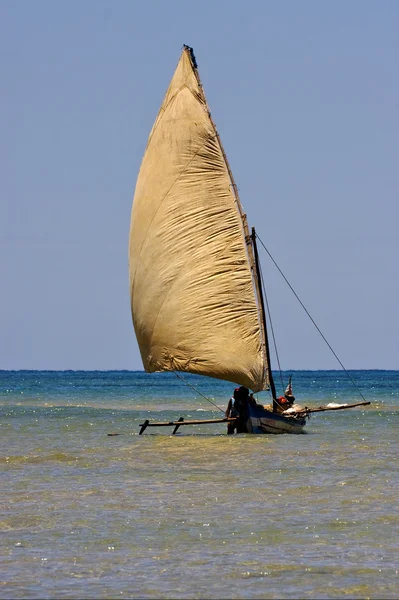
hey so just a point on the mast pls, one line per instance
(263, 315)
(247, 236)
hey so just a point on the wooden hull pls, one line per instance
(261, 421)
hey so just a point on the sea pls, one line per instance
(199, 514)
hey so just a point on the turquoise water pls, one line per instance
(199, 514)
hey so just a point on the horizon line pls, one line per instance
(171, 372)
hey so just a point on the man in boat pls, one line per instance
(288, 399)
(252, 399)
(237, 408)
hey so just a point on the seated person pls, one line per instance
(252, 400)
(287, 400)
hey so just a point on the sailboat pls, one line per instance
(196, 295)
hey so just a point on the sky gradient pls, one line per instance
(305, 98)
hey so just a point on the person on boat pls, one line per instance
(232, 412)
(237, 408)
(252, 400)
(288, 399)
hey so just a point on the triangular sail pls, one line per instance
(193, 300)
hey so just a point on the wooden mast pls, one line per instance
(263, 313)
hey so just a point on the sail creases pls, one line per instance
(162, 112)
(166, 195)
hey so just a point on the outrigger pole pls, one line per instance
(180, 422)
(306, 411)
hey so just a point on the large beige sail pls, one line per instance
(192, 295)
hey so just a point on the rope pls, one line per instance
(314, 323)
(197, 391)
(271, 328)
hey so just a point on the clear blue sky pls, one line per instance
(305, 96)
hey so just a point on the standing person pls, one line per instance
(232, 412)
(238, 408)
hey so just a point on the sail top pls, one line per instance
(193, 300)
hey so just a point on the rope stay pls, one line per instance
(196, 391)
(271, 326)
(311, 318)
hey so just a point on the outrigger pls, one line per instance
(298, 412)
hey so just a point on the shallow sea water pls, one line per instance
(199, 514)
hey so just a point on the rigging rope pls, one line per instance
(197, 391)
(307, 312)
(271, 326)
